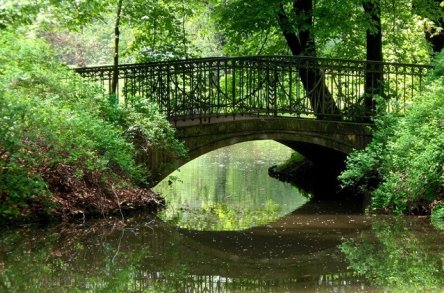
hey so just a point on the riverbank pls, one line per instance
(68, 149)
(73, 207)
(318, 181)
(111, 203)
(73, 198)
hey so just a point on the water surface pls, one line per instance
(229, 189)
(229, 228)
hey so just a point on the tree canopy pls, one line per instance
(337, 28)
(166, 29)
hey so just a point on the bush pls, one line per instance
(50, 117)
(406, 154)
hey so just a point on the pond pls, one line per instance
(229, 228)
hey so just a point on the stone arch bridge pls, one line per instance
(320, 107)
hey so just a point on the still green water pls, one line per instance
(229, 189)
(241, 239)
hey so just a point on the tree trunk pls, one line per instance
(431, 10)
(115, 78)
(434, 37)
(374, 71)
(302, 44)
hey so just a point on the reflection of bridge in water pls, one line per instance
(317, 106)
(297, 251)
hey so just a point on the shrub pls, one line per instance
(406, 154)
(50, 117)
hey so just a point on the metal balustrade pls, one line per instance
(292, 86)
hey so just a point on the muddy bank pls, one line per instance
(93, 203)
(90, 203)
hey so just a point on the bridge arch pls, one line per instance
(336, 136)
(265, 97)
(318, 140)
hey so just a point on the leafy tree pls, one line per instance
(161, 28)
(70, 26)
(152, 30)
(405, 154)
(358, 29)
(294, 20)
(72, 14)
(322, 28)
(433, 21)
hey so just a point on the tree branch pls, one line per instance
(289, 35)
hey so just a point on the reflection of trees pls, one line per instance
(221, 217)
(108, 257)
(102, 257)
(229, 179)
(398, 255)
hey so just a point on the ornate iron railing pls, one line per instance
(264, 85)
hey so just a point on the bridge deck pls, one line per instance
(183, 122)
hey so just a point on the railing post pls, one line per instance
(233, 90)
(168, 93)
(374, 86)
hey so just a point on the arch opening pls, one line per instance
(230, 189)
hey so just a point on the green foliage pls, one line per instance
(144, 125)
(364, 166)
(162, 29)
(406, 154)
(73, 14)
(15, 13)
(437, 216)
(159, 30)
(50, 117)
(395, 258)
(82, 31)
(92, 46)
(403, 33)
(339, 28)
(248, 28)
